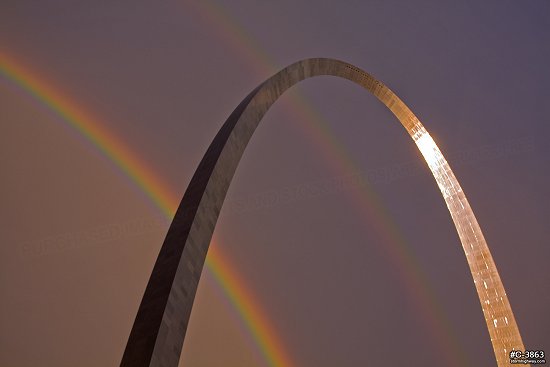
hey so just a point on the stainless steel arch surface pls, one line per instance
(159, 330)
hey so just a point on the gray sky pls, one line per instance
(79, 238)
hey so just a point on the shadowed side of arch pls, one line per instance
(159, 329)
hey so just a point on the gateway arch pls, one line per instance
(159, 329)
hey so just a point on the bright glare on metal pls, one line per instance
(428, 148)
(494, 303)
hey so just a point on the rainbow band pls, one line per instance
(89, 127)
(251, 313)
(259, 326)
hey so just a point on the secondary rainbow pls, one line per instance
(369, 205)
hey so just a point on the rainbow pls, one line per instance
(217, 263)
(248, 308)
(90, 128)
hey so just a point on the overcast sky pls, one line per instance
(79, 238)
